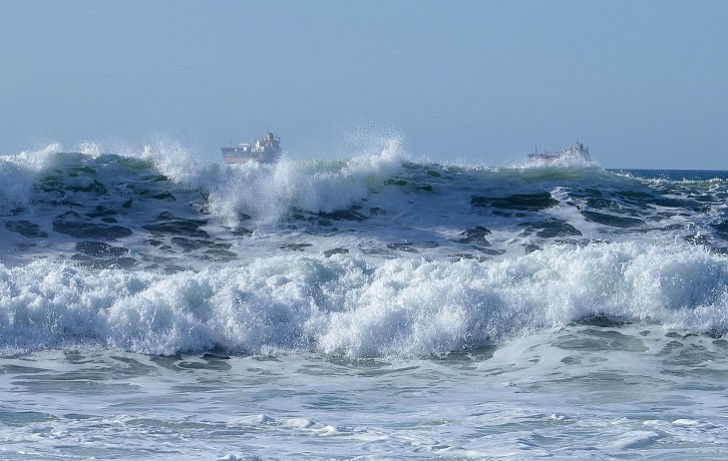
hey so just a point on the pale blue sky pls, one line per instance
(642, 83)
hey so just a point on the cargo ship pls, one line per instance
(266, 149)
(576, 152)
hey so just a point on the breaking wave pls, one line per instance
(374, 255)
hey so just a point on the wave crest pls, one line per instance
(342, 305)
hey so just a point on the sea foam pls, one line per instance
(358, 307)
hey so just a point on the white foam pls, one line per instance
(298, 423)
(254, 420)
(634, 440)
(693, 423)
(345, 304)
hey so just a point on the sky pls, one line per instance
(644, 84)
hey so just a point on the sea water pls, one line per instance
(154, 306)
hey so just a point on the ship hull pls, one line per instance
(233, 156)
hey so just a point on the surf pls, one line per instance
(373, 255)
(347, 305)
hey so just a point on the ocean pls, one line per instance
(154, 306)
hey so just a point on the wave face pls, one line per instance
(376, 255)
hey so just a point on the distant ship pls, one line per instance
(266, 149)
(577, 151)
